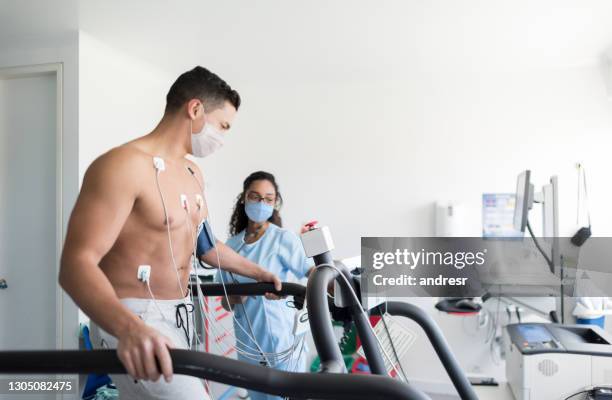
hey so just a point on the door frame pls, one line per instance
(56, 69)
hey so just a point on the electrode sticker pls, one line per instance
(402, 337)
(474, 266)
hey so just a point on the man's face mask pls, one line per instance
(206, 142)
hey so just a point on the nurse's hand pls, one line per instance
(267, 276)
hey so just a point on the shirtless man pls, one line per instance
(119, 223)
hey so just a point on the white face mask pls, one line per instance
(206, 142)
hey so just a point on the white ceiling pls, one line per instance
(323, 38)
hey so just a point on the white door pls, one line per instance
(28, 214)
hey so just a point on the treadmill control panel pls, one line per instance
(535, 337)
(538, 338)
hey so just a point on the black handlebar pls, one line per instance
(219, 369)
(250, 289)
(259, 289)
(324, 338)
(331, 385)
(320, 320)
(438, 341)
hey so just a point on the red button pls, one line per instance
(311, 225)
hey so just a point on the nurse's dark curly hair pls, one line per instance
(239, 220)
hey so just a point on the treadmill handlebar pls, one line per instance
(250, 289)
(259, 289)
(218, 369)
(320, 320)
(321, 324)
(438, 341)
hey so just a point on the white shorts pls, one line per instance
(182, 386)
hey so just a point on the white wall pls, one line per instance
(406, 103)
(369, 114)
(120, 98)
(370, 157)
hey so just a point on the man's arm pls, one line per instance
(234, 262)
(106, 199)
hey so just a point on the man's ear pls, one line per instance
(194, 109)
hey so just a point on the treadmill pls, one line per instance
(294, 385)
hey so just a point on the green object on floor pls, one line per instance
(349, 361)
(348, 348)
(316, 364)
(348, 342)
(106, 393)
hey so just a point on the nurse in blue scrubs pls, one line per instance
(257, 234)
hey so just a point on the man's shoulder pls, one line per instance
(127, 155)
(124, 163)
(123, 156)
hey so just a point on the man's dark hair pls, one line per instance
(200, 83)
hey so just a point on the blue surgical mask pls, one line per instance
(258, 211)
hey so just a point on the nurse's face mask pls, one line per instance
(259, 209)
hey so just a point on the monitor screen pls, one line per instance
(498, 216)
(535, 333)
(522, 201)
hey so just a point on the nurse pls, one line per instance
(257, 234)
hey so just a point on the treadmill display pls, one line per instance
(535, 334)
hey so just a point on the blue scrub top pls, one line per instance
(279, 251)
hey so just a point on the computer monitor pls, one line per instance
(550, 220)
(549, 198)
(524, 200)
(498, 216)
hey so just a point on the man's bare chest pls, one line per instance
(171, 198)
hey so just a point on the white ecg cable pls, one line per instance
(253, 339)
(258, 353)
(161, 194)
(246, 315)
(171, 249)
(254, 354)
(247, 351)
(155, 301)
(282, 355)
(198, 282)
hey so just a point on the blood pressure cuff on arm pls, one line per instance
(206, 239)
